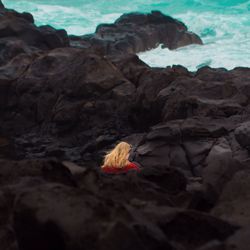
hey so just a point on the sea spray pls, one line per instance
(223, 25)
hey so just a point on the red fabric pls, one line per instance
(114, 170)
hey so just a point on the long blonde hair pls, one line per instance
(118, 157)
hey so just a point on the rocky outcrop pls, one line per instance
(19, 35)
(136, 32)
(63, 106)
(189, 155)
(1, 5)
(92, 213)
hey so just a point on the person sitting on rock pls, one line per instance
(117, 160)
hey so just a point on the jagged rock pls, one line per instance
(218, 169)
(233, 204)
(1, 5)
(242, 134)
(7, 234)
(188, 131)
(70, 103)
(239, 241)
(187, 97)
(178, 229)
(136, 32)
(59, 216)
(18, 35)
(219, 166)
(12, 172)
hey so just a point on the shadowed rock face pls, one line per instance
(136, 32)
(63, 106)
(18, 35)
(52, 212)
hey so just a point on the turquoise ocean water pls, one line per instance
(224, 26)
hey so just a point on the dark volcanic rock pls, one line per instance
(189, 133)
(242, 135)
(67, 99)
(240, 240)
(188, 97)
(7, 233)
(60, 217)
(12, 172)
(49, 215)
(233, 204)
(136, 32)
(1, 5)
(53, 224)
(18, 34)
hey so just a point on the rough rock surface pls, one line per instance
(19, 35)
(63, 104)
(136, 32)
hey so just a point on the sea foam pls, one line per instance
(224, 26)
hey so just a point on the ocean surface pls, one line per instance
(223, 25)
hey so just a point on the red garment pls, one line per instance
(114, 170)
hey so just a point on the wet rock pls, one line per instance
(1, 5)
(21, 29)
(136, 32)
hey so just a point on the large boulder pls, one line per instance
(91, 100)
(60, 217)
(11, 172)
(136, 32)
(242, 134)
(1, 5)
(18, 34)
(48, 91)
(187, 97)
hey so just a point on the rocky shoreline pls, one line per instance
(65, 100)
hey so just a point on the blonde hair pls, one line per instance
(118, 157)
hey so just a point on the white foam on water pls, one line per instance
(223, 26)
(194, 57)
(226, 43)
(77, 20)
